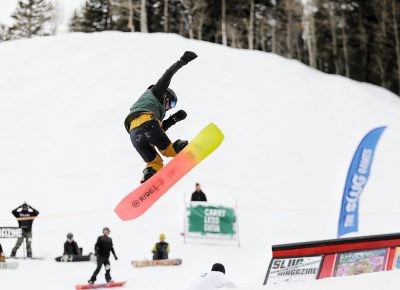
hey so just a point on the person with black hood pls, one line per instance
(145, 121)
(198, 194)
(71, 247)
(212, 280)
(25, 215)
(103, 247)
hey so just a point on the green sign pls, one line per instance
(208, 219)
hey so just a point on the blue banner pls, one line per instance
(356, 181)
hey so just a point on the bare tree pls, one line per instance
(166, 18)
(143, 16)
(250, 29)
(311, 33)
(333, 24)
(191, 8)
(395, 14)
(345, 42)
(223, 23)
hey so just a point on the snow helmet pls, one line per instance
(162, 236)
(218, 268)
(24, 205)
(70, 236)
(173, 99)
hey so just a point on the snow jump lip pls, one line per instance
(142, 198)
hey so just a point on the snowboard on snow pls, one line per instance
(76, 258)
(142, 198)
(149, 263)
(26, 258)
(8, 265)
(102, 285)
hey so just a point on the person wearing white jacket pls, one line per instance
(212, 280)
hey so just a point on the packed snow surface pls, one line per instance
(290, 134)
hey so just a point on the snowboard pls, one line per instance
(26, 258)
(75, 258)
(103, 285)
(142, 198)
(8, 265)
(148, 263)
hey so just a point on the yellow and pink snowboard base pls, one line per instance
(141, 199)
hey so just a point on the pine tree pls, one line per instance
(4, 33)
(96, 16)
(31, 17)
(76, 22)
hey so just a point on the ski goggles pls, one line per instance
(172, 104)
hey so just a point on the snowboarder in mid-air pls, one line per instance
(146, 125)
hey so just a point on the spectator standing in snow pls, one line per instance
(103, 247)
(212, 280)
(2, 258)
(25, 215)
(198, 194)
(161, 249)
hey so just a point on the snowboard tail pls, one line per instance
(141, 199)
(103, 285)
(8, 265)
(76, 258)
(149, 263)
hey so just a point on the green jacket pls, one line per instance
(152, 99)
(146, 103)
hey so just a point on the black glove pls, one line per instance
(178, 116)
(187, 57)
(115, 257)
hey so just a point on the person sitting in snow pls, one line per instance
(212, 280)
(161, 249)
(146, 125)
(71, 247)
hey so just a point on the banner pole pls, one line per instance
(24, 246)
(237, 222)
(184, 219)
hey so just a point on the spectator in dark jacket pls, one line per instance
(25, 215)
(161, 249)
(103, 247)
(71, 247)
(2, 258)
(198, 194)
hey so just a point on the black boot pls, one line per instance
(179, 145)
(147, 173)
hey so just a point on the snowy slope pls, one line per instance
(290, 135)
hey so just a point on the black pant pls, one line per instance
(148, 135)
(100, 262)
(160, 255)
